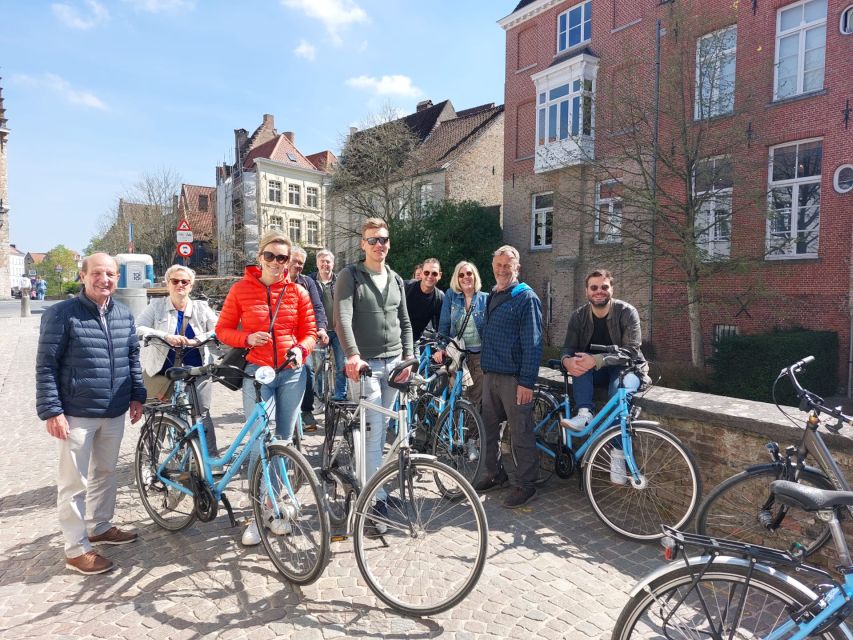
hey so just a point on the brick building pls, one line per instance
(197, 205)
(769, 86)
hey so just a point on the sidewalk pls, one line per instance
(554, 571)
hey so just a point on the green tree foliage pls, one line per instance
(61, 257)
(449, 231)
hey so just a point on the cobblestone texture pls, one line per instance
(554, 571)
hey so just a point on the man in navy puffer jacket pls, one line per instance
(87, 377)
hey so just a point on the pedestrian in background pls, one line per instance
(325, 278)
(87, 378)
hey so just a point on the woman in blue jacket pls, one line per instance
(464, 295)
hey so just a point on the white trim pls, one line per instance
(616, 236)
(837, 176)
(700, 110)
(533, 226)
(582, 42)
(846, 16)
(526, 13)
(800, 30)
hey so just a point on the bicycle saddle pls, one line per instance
(809, 498)
(394, 378)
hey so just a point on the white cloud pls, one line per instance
(306, 50)
(334, 14)
(397, 85)
(161, 6)
(73, 18)
(61, 87)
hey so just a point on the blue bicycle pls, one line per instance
(636, 475)
(179, 482)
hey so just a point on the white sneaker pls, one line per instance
(251, 536)
(618, 474)
(579, 421)
(279, 526)
(472, 451)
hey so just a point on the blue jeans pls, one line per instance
(308, 386)
(287, 389)
(340, 363)
(582, 386)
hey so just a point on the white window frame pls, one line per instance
(796, 184)
(274, 190)
(276, 222)
(424, 194)
(845, 25)
(801, 30)
(714, 239)
(584, 9)
(295, 224)
(312, 233)
(836, 179)
(294, 195)
(711, 70)
(312, 197)
(610, 234)
(539, 219)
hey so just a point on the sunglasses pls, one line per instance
(177, 281)
(595, 287)
(383, 240)
(466, 274)
(434, 274)
(281, 258)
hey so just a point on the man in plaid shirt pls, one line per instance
(512, 349)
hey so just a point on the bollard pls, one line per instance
(25, 303)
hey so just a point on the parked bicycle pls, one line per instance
(419, 529)
(743, 507)
(735, 590)
(636, 474)
(179, 482)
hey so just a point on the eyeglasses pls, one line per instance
(383, 240)
(466, 274)
(281, 258)
(434, 274)
(177, 281)
(595, 287)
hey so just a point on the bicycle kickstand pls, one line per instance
(227, 504)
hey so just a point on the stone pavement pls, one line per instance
(554, 571)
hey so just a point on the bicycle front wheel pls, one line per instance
(169, 507)
(724, 603)
(291, 514)
(420, 552)
(337, 471)
(548, 434)
(457, 438)
(742, 508)
(668, 491)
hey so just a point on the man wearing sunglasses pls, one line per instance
(424, 299)
(602, 320)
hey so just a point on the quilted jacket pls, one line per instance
(250, 304)
(82, 370)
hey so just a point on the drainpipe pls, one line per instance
(850, 357)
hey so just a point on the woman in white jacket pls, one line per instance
(181, 321)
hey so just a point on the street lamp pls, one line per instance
(58, 270)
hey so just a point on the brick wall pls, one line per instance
(477, 173)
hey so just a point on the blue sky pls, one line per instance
(98, 92)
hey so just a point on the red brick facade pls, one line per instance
(810, 292)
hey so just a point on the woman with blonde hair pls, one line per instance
(272, 316)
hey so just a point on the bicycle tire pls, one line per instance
(329, 381)
(297, 541)
(169, 508)
(460, 449)
(767, 601)
(732, 511)
(549, 435)
(670, 483)
(336, 464)
(435, 569)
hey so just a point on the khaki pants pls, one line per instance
(86, 482)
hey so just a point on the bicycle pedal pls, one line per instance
(338, 538)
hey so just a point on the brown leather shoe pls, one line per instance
(89, 563)
(114, 535)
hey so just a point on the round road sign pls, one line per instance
(185, 249)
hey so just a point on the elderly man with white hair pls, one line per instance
(325, 280)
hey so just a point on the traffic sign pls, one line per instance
(185, 249)
(184, 225)
(185, 236)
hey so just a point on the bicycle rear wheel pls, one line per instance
(170, 508)
(548, 435)
(742, 508)
(337, 466)
(722, 604)
(297, 537)
(433, 549)
(669, 488)
(457, 439)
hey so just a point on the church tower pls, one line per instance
(5, 282)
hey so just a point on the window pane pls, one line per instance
(559, 92)
(564, 119)
(790, 18)
(574, 35)
(813, 80)
(784, 163)
(548, 228)
(815, 10)
(552, 123)
(587, 30)
(542, 98)
(845, 179)
(810, 155)
(789, 46)
(561, 42)
(541, 126)
(704, 176)
(587, 115)
(780, 199)
(545, 201)
(815, 38)
(576, 115)
(809, 195)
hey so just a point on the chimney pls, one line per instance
(241, 140)
(269, 121)
(289, 135)
(423, 105)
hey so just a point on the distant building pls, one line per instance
(197, 205)
(5, 293)
(17, 265)
(270, 185)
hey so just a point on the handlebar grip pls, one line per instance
(365, 371)
(604, 348)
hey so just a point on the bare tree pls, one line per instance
(657, 183)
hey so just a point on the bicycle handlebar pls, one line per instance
(198, 344)
(810, 400)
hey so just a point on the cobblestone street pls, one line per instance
(554, 571)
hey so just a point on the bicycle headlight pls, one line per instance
(265, 375)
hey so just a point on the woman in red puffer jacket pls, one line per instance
(250, 305)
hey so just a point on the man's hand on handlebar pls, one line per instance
(354, 366)
(578, 364)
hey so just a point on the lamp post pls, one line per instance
(58, 270)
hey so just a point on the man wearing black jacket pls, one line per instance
(87, 377)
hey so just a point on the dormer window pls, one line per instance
(574, 26)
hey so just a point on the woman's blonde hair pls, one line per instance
(454, 279)
(273, 236)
